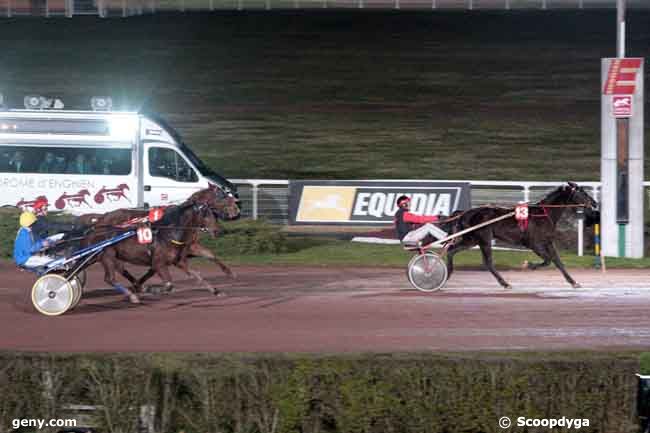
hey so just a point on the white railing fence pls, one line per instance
(125, 8)
(269, 198)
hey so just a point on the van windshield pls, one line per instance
(200, 165)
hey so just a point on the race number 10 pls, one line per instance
(144, 235)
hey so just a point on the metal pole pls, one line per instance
(620, 28)
(211, 5)
(544, 4)
(507, 4)
(47, 9)
(581, 237)
(434, 5)
(255, 198)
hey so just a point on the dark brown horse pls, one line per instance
(538, 236)
(223, 205)
(178, 239)
(171, 236)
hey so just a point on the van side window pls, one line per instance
(168, 163)
(65, 160)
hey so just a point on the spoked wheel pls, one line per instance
(52, 295)
(82, 277)
(427, 272)
(77, 284)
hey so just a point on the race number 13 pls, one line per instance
(144, 235)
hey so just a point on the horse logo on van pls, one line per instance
(74, 200)
(112, 194)
(32, 205)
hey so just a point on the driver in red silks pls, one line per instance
(406, 224)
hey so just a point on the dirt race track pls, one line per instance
(293, 309)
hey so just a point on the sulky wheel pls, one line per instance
(52, 295)
(427, 272)
(77, 284)
(82, 277)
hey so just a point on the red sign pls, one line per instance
(622, 105)
(621, 78)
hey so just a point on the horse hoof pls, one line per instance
(154, 290)
(134, 299)
(218, 293)
(507, 287)
(525, 265)
(576, 286)
(231, 275)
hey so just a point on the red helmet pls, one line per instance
(403, 199)
(40, 207)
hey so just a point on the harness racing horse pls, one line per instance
(173, 233)
(222, 205)
(538, 235)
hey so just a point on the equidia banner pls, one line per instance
(371, 202)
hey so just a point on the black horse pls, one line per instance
(538, 236)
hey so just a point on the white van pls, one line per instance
(93, 162)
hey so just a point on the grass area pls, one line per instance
(322, 252)
(333, 94)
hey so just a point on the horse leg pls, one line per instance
(185, 267)
(542, 251)
(150, 273)
(200, 251)
(464, 244)
(163, 272)
(109, 263)
(558, 263)
(486, 250)
(126, 274)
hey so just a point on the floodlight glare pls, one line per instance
(123, 126)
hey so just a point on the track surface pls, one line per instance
(293, 309)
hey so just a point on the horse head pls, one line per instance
(577, 195)
(205, 219)
(223, 204)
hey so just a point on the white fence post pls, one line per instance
(581, 237)
(255, 200)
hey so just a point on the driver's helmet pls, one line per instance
(40, 208)
(403, 201)
(27, 219)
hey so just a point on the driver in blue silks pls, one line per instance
(28, 244)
